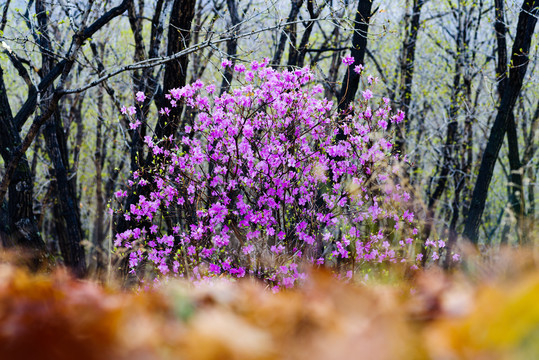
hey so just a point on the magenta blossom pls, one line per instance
(348, 60)
(225, 63)
(259, 183)
(135, 125)
(140, 96)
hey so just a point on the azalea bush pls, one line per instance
(267, 177)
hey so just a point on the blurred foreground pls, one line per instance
(488, 310)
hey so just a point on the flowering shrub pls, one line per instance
(258, 183)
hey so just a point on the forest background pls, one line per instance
(465, 73)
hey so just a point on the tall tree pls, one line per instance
(519, 64)
(17, 220)
(19, 223)
(231, 44)
(68, 216)
(299, 58)
(407, 64)
(288, 33)
(516, 191)
(455, 165)
(179, 35)
(16, 155)
(350, 83)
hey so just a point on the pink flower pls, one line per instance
(371, 79)
(248, 249)
(348, 60)
(255, 65)
(367, 94)
(210, 88)
(140, 96)
(358, 69)
(456, 257)
(134, 125)
(163, 268)
(277, 249)
(239, 68)
(408, 216)
(225, 63)
(261, 139)
(399, 117)
(214, 268)
(131, 110)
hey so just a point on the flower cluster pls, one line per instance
(258, 184)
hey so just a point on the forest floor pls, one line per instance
(487, 309)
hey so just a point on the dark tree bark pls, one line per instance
(136, 143)
(448, 155)
(19, 224)
(231, 45)
(293, 52)
(179, 35)
(302, 48)
(16, 165)
(516, 193)
(457, 155)
(407, 63)
(529, 151)
(359, 46)
(292, 16)
(17, 221)
(66, 209)
(99, 159)
(519, 64)
(62, 69)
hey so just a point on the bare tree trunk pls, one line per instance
(407, 63)
(19, 223)
(99, 157)
(359, 47)
(231, 45)
(302, 49)
(179, 35)
(448, 157)
(292, 16)
(516, 193)
(519, 65)
(62, 70)
(67, 209)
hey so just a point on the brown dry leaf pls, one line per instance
(503, 324)
(215, 335)
(490, 314)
